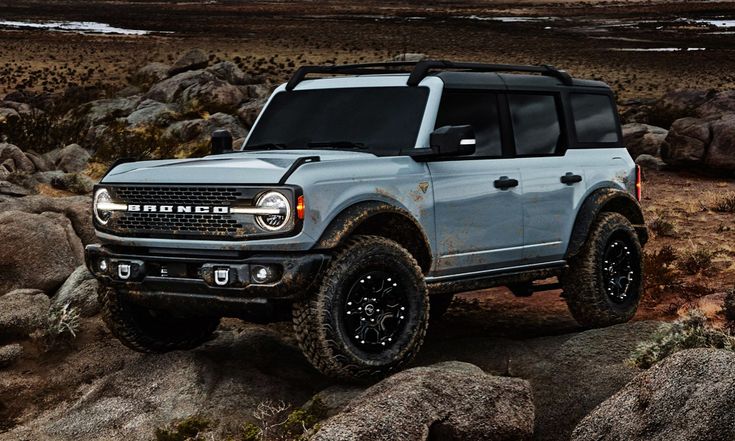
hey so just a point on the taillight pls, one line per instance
(300, 207)
(638, 189)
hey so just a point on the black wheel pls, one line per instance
(439, 305)
(153, 331)
(369, 316)
(603, 284)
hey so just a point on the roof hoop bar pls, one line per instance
(423, 67)
(349, 69)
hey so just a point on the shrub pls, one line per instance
(63, 323)
(691, 331)
(697, 260)
(662, 227)
(189, 429)
(724, 203)
(40, 131)
(658, 269)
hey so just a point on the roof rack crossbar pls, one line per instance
(350, 69)
(421, 69)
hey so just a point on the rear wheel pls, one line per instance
(150, 330)
(370, 314)
(603, 284)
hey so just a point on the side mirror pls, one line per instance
(221, 142)
(452, 141)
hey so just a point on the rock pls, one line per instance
(249, 111)
(410, 57)
(192, 60)
(8, 115)
(686, 142)
(150, 74)
(12, 189)
(37, 250)
(104, 111)
(643, 139)
(9, 354)
(77, 208)
(335, 398)
(687, 396)
(129, 92)
(151, 113)
(201, 129)
(721, 152)
(229, 72)
(41, 163)
(73, 159)
(23, 311)
(169, 90)
(678, 104)
(48, 176)
(19, 160)
(79, 291)
(447, 401)
(213, 96)
(717, 105)
(74, 182)
(650, 162)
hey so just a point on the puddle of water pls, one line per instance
(82, 27)
(512, 19)
(718, 23)
(657, 49)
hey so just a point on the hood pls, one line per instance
(265, 167)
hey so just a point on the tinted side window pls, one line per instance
(594, 118)
(535, 124)
(478, 109)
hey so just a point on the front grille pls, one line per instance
(177, 195)
(190, 225)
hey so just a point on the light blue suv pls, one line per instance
(361, 202)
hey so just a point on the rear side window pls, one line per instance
(478, 109)
(536, 125)
(594, 118)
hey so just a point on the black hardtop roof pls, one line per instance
(457, 74)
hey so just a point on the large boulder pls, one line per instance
(9, 354)
(686, 142)
(104, 111)
(228, 71)
(447, 401)
(213, 96)
(72, 159)
(37, 250)
(643, 139)
(687, 396)
(16, 159)
(77, 208)
(250, 110)
(150, 74)
(78, 291)
(201, 129)
(152, 113)
(717, 105)
(192, 60)
(168, 90)
(678, 104)
(23, 311)
(721, 151)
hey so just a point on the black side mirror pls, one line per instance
(453, 141)
(221, 142)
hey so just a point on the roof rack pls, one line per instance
(421, 69)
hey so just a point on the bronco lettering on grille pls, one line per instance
(201, 209)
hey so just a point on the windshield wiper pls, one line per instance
(337, 145)
(267, 146)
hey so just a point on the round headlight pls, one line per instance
(280, 211)
(102, 197)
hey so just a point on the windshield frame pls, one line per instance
(433, 83)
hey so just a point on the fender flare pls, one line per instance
(600, 201)
(370, 213)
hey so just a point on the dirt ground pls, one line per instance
(632, 45)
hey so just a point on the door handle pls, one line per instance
(505, 183)
(570, 178)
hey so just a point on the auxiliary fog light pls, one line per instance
(103, 265)
(263, 273)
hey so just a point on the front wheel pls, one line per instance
(370, 314)
(603, 284)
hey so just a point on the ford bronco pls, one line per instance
(361, 201)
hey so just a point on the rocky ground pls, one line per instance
(495, 367)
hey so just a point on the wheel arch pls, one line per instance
(601, 201)
(379, 219)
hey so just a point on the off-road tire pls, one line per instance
(584, 284)
(321, 326)
(439, 305)
(145, 330)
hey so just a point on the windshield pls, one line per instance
(379, 120)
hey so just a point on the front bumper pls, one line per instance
(206, 284)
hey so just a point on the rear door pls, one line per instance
(553, 185)
(477, 199)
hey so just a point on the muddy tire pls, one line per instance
(146, 330)
(603, 284)
(368, 317)
(439, 305)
